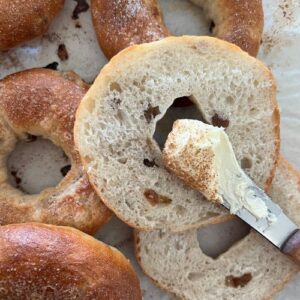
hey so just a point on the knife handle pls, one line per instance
(291, 246)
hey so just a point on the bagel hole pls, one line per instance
(36, 164)
(184, 17)
(217, 239)
(180, 111)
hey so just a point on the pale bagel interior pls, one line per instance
(116, 121)
(251, 269)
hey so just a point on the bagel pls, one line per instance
(21, 21)
(59, 263)
(251, 269)
(117, 118)
(43, 102)
(122, 23)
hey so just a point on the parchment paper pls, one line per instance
(279, 50)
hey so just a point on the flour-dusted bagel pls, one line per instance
(122, 23)
(236, 21)
(21, 21)
(43, 102)
(251, 269)
(117, 118)
(60, 263)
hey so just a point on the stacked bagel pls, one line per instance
(122, 109)
(107, 132)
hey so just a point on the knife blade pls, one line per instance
(203, 157)
(280, 232)
(276, 232)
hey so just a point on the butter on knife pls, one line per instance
(203, 157)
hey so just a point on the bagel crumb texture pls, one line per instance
(120, 137)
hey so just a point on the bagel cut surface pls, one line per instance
(117, 118)
(42, 102)
(251, 268)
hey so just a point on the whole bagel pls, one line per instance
(122, 23)
(23, 20)
(43, 102)
(59, 263)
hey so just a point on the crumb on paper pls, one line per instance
(284, 15)
(78, 25)
(52, 66)
(52, 37)
(81, 6)
(286, 6)
(268, 42)
(62, 52)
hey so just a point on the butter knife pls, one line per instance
(283, 233)
(192, 144)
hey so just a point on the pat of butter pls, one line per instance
(202, 155)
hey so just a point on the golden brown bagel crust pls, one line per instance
(122, 23)
(237, 22)
(43, 102)
(22, 20)
(59, 263)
